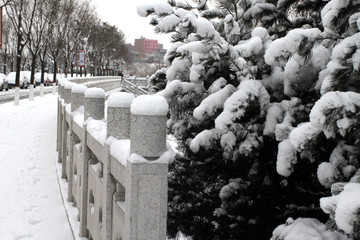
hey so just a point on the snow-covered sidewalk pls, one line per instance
(31, 206)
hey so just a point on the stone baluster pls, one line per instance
(148, 126)
(77, 100)
(77, 96)
(146, 190)
(118, 115)
(59, 119)
(65, 127)
(93, 108)
(94, 103)
(118, 126)
(67, 91)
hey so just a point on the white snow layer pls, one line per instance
(149, 105)
(213, 102)
(177, 86)
(120, 100)
(251, 47)
(302, 134)
(78, 116)
(95, 93)
(203, 139)
(69, 85)
(235, 106)
(79, 88)
(281, 49)
(338, 102)
(286, 158)
(97, 129)
(120, 150)
(305, 229)
(168, 23)
(204, 28)
(158, 8)
(345, 206)
(166, 158)
(217, 85)
(327, 174)
(30, 201)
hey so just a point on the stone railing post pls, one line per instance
(77, 96)
(146, 191)
(67, 91)
(93, 108)
(65, 126)
(77, 100)
(118, 115)
(118, 126)
(59, 120)
(94, 103)
(148, 126)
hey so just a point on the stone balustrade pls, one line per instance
(115, 162)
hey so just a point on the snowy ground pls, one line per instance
(31, 206)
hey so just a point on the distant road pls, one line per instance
(8, 96)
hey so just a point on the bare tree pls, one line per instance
(43, 15)
(8, 46)
(21, 14)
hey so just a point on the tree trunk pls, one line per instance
(33, 66)
(5, 59)
(65, 67)
(18, 69)
(55, 71)
(43, 65)
(72, 69)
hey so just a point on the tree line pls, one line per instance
(47, 35)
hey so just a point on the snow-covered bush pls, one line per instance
(263, 101)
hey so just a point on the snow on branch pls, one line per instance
(336, 112)
(344, 207)
(235, 106)
(159, 9)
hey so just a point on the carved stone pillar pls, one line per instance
(148, 126)
(118, 115)
(77, 96)
(94, 103)
(67, 92)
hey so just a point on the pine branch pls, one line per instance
(214, 13)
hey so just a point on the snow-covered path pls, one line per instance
(31, 206)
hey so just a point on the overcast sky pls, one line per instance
(123, 14)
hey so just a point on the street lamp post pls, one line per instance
(82, 55)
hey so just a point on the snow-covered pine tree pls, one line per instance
(330, 137)
(241, 77)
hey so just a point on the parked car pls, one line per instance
(51, 78)
(38, 78)
(24, 79)
(3, 83)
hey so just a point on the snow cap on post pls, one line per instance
(67, 91)
(94, 103)
(120, 100)
(95, 93)
(118, 115)
(77, 96)
(149, 105)
(62, 83)
(148, 126)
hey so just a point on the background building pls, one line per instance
(146, 50)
